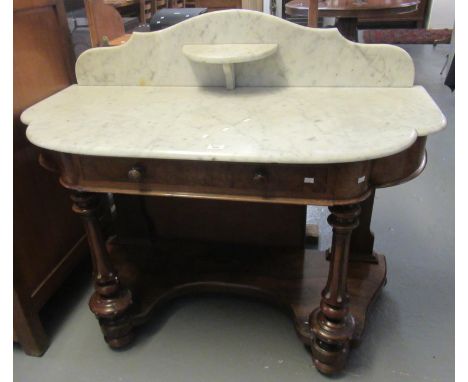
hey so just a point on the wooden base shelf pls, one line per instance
(289, 278)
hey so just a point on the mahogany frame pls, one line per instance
(132, 279)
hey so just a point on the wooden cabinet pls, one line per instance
(48, 239)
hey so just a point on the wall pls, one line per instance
(442, 14)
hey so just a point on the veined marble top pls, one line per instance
(318, 99)
(252, 124)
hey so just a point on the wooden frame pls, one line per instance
(126, 294)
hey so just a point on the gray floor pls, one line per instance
(411, 332)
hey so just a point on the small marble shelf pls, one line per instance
(228, 55)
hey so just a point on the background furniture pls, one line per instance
(414, 19)
(79, 25)
(48, 240)
(450, 64)
(312, 15)
(147, 9)
(347, 12)
(254, 5)
(167, 17)
(105, 23)
(217, 5)
(143, 8)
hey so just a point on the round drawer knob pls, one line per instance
(260, 177)
(135, 174)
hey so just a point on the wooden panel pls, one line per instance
(21, 5)
(210, 220)
(42, 55)
(401, 167)
(47, 236)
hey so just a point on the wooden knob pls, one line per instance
(135, 174)
(260, 177)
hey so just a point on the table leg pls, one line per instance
(362, 238)
(332, 324)
(110, 302)
(348, 27)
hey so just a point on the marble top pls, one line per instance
(266, 125)
(318, 99)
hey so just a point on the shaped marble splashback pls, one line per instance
(305, 56)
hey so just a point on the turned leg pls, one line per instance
(362, 238)
(110, 302)
(331, 324)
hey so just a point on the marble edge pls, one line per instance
(27, 114)
(225, 157)
(26, 117)
(443, 123)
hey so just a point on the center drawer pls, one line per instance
(253, 179)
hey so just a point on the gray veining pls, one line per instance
(305, 56)
(318, 99)
(275, 125)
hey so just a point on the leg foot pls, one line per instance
(111, 313)
(330, 346)
(118, 333)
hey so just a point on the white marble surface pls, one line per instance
(228, 53)
(272, 125)
(305, 56)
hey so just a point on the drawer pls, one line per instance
(327, 181)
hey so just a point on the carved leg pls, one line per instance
(331, 324)
(362, 238)
(110, 302)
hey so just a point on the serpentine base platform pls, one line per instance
(290, 278)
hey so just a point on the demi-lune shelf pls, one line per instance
(228, 55)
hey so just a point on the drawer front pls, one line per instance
(224, 178)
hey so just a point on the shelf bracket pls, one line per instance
(230, 76)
